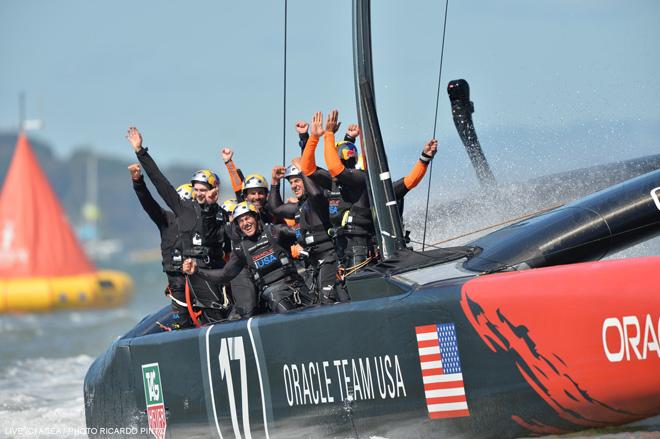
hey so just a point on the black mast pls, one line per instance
(389, 231)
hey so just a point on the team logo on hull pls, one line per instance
(441, 371)
(628, 339)
(153, 395)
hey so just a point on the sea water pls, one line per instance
(44, 358)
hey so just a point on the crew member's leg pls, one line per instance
(245, 294)
(210, 297)
(357, 250)
(176, 290)
(284, 295)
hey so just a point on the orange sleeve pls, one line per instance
(236, 182)
(411, 180)
(308, 159)
(335, 165)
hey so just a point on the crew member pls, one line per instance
(349, 205)
(253, 188)
(170, 246)
(313, 228)
(263, 251)
(197, 241)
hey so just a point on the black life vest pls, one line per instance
(312, 237)
(346, 217)
(336, 205)
(267, 261)
(170, 245)
(192, 239)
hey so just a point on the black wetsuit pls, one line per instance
(313, 233)
(348, 193)
(266, 258)
(170, 247)
(243, 289)
(197, 241)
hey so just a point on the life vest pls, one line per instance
(267, 261)
(170, 246)
(346, 217)
(296, 224)
(337, 206)
(191, 237)
(312, 237)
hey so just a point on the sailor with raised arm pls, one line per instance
(253, 188)
(314, 228)
(349, 207)
(263, 250)
(206, 245)
(170, 246)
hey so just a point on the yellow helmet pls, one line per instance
(186, 191)
(229, 205)
(255, 181)
(243, 208)
(205, 176)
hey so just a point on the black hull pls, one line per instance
(376, 336)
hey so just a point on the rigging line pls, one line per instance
(284, 100)
(435, 125)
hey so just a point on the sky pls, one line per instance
(198, 75)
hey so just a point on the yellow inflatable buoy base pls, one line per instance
(102, 289)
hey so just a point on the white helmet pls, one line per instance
(292, 171)
(243, 208)
(253, 181)
(205, 176)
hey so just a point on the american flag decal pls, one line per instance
(441, 371)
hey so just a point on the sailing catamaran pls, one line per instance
(523, 331)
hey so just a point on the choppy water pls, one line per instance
(44, 358)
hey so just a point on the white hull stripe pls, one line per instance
(429, 351)
(427, 336)
(439, 393)
(431, 365)
(447, 407)
(208, 367)
(261, 384)
(443, 378)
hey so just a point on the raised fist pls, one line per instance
(431, 147)
(278, 174)
(353, 131)
(189, 266)
(135, 171)
(302, 127)
(227, 154)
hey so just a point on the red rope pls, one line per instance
(193, 314)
